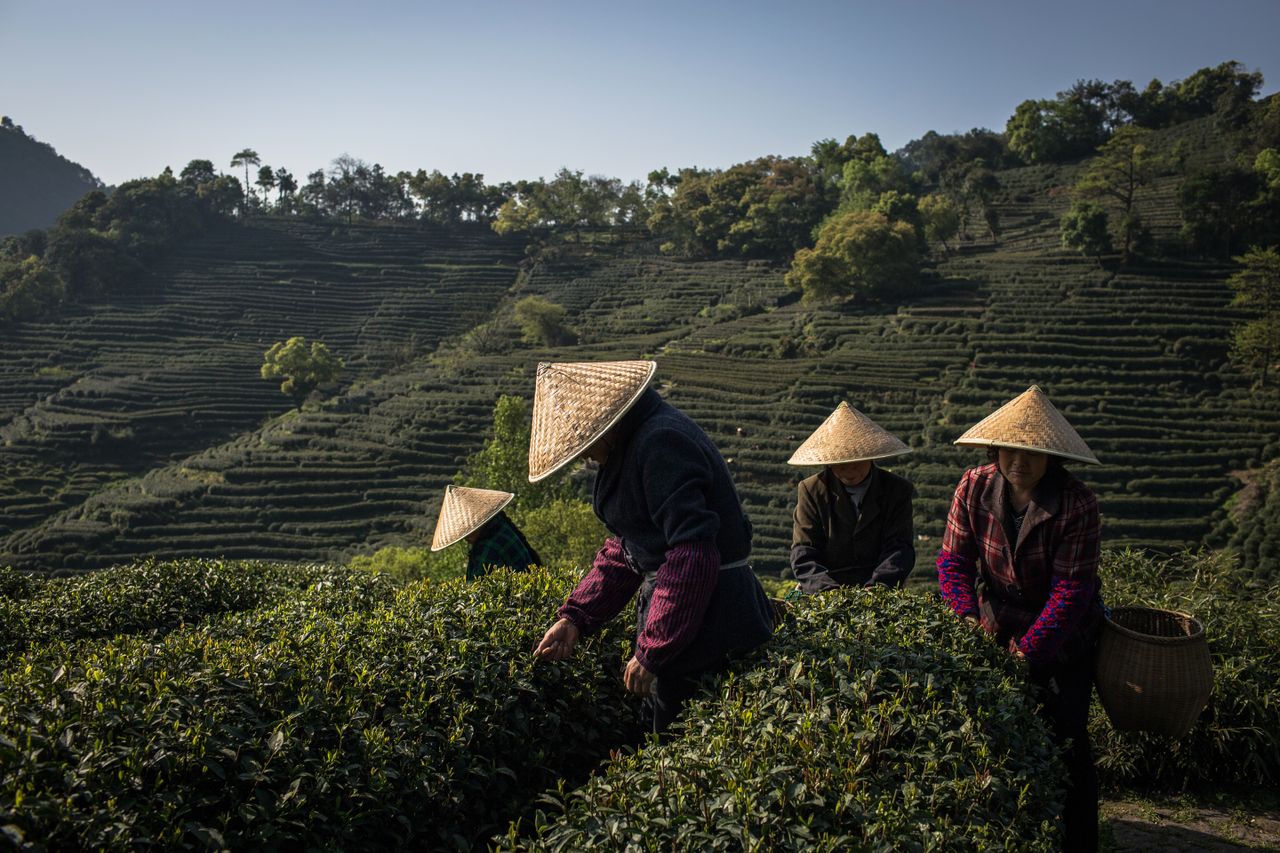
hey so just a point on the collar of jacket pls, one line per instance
(1046, 500)
(870, 501)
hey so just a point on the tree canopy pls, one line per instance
(302, 367)
(541, 321)
(1257, 289)
(1124, 164)
(859, 253)
(1081, 118)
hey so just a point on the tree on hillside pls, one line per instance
(87, 260)
(1223, 89)
(829, 157)
(347, 177)
(198, 172)
(1217, 218)
(451, 199)
(780, 210)
(859, 253)
(503, 462)
(286, 186)
(222, 195)
(303, 367)
(246, 157)
(314, 193)
(516, 216)
(969, 183)
(1084, 227)
(1267, 166)
(266, 182)
(766, 207)
(943, 161)
(28, 289)
(541, 321)
(941, 218)
(1257, 288)
(1125, 163)
(901, 207)
(868, 177)
(1044, 131)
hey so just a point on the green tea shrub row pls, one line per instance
(1237, 737)
(419, 723)
(1255, 523)
(875, 721)
(155, 596)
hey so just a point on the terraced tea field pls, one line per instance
(139, 427)
(170, 368)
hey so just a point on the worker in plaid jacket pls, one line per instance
(1019, 560)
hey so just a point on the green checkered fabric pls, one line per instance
(500, 545)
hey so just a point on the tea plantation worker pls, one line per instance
(1020, 559)
(680, 537)
(852, 521)
(476, 515)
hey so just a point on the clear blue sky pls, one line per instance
(519, 89)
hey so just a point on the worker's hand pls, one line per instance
(637, 679)
(559, 641)
(1015, 651)
(972, 622)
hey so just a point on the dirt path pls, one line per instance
(1175, 823)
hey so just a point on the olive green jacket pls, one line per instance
(833, 545)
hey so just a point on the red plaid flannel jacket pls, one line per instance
(1057, 548)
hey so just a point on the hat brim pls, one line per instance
(890, 454)
(468, 531)
(571, 454)
(987, 442)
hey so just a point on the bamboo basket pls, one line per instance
(1154, 673)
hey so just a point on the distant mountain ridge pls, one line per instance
(36, 182)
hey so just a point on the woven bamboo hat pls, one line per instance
(574, 403)
(465, 511)
(847, 435)
(1030, 422)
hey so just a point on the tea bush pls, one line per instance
(875, 720)
(1237, 738)
(421, 722)
(414, 563)
(563, 531)
(15, 585)
(154, 596)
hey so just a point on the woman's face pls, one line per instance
(598, 452)
(852, 473)
(1023, 468)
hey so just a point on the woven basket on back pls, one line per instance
(1154, 672)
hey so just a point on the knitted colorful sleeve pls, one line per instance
(957, 580)
(1074, 583)
(686, 580)
(603, 592)
(1069, 600)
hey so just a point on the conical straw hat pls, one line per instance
(465, 511)
(1030, 422)
(847, 435)
(575, 403)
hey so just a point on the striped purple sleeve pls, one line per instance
(686, 579)
(957, 578)
(1068, 602)
(603, 591)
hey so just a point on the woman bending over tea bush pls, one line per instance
(680, 536)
